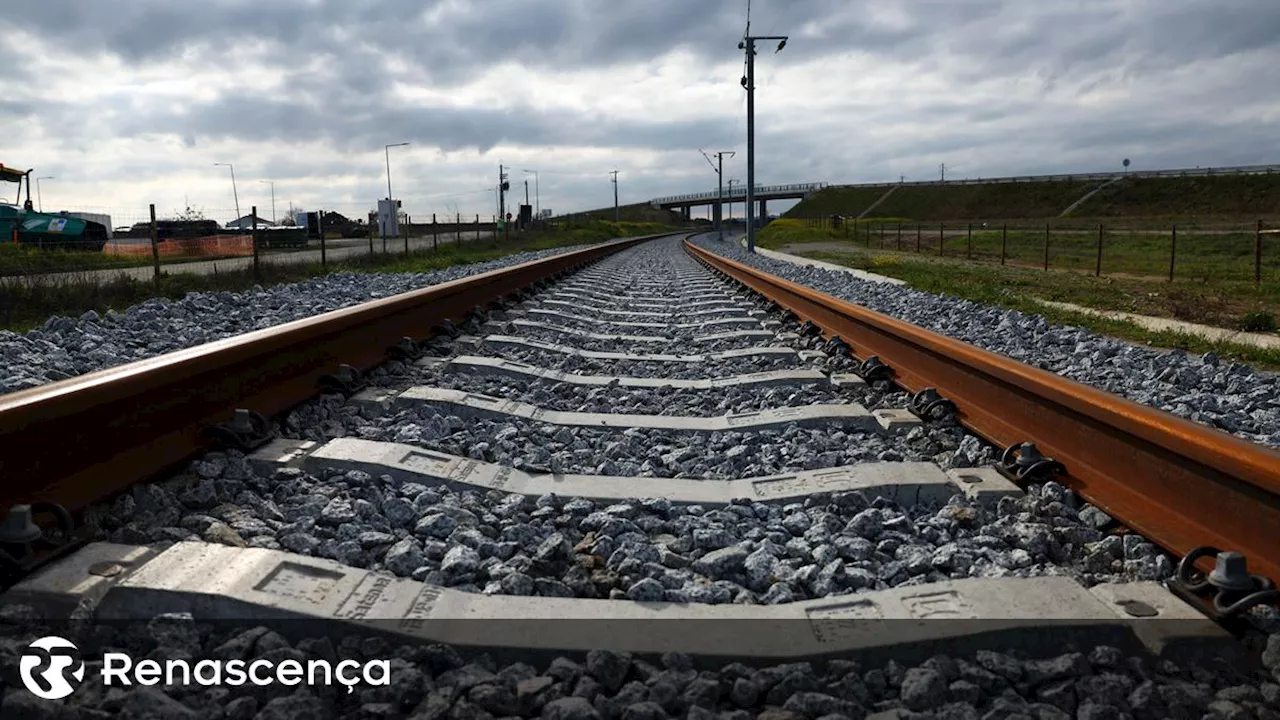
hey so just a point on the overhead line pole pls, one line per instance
(749, 82)
(615, 195)
(719, 168)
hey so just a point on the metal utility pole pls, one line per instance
(503, 187)
(388, 152)
(537, 197)
(40, 195)
(719, 168)
(749, 82)
(615, 195)
(942, 170)
(234, 193)
(730, 183)
(272, 183)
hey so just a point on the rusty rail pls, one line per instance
(1178, 483)
(82, 440)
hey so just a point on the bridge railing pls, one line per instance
(1086, 177)
(742, 193)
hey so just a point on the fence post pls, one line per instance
(324, 260)
(477, 227)
(1173, 250)
(457, 229)
(1257, 254)
(1004, 241)
(881, 234)
(370, 239)
(155, 243)
(408, 227)
(968, 253)
(1046, 247)
(942, 240)
(917, 237)
(899, 236)
(1097, 271)
(435, 234)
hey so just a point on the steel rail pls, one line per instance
(1178, 483)
(82, 440)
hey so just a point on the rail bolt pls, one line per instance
(18, 528)
(1231, 573)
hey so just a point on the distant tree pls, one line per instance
(189, 214)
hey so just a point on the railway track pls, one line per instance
(653, 482)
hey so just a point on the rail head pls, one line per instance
(1182, 484)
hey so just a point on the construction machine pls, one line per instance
(22, 225)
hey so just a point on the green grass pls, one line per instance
(1206, 254)
(27, 302)
(1141, 201)
(850, 201)
(1017, 289)
(28, 260)
(1250, 196)
(948, 202)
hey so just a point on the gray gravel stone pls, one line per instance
(1231, 397)
(65, 347)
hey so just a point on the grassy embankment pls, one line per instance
(1132, 202)
(1220, 302)
(28, 302)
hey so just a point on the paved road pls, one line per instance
(334, 250)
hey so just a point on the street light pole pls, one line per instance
(272, 183)
(537, 197)
(387, 149)
(749, 83)
(234, 193)
(40, 195)
(391, 205)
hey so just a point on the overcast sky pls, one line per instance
(130, 102)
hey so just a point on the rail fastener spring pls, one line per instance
(930, 405)
(247, 431)
(1023, 462)
(1226, 592)
(346, 381)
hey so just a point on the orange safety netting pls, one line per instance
(212, 246)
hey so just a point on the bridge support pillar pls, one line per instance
(686, 212)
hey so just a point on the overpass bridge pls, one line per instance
(763, 194)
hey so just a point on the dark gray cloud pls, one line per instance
(1019, 81)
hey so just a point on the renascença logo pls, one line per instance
(45, 664)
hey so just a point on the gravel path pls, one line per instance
(1228, 396)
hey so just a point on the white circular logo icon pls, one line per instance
(47, 663)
